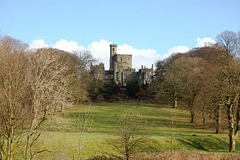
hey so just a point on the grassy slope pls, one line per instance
(63, 138)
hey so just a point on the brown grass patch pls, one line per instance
(175, 156)
(186, 156)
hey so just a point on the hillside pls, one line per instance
(65, 134)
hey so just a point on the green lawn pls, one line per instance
(61, 134)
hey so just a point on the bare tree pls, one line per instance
(229, 77)
(33, 85)
(167, 81)
(49, 81)
(83, 79)
(131, 129)
(229, 41)
(85, 59)
(184, 78)
(14, 104)
(225, 82)
(84, 124)
(228, 87)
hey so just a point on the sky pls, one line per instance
(150, 30)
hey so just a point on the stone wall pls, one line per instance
(121, 70)
(98, 71)
(124, 61)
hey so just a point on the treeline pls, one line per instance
(34, 85)
(37, 84)
(206, 80)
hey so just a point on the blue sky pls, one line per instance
(152, 29)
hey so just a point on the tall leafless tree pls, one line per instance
(49, 81)
(229, 41)
(14, 95)
(228, 76)
(83, 79)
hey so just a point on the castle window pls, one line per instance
(113, 49)
(140, 77)
(106, 76)
(118, 76)
(125, 76)
(111, 76)
(121, 58)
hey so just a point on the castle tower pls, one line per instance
(113, 52)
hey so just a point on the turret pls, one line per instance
(113, 52)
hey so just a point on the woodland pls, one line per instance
(49, 91)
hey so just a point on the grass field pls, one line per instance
(61, 134)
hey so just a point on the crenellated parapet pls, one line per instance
(121, 71)
(124, 55)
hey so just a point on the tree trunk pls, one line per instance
(237, 115)
(175, 105)
(90, 101)
(218, 126)
(1, 154)
(127, 154)
(10, 146)
(1, 146)
(10, 134)
(232, 142)
(33, 110)
(231, 134)
(204, 118)
(192, 113)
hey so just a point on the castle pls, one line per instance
(121, 71)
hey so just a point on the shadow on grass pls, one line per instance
(209, 144)
(206, 144)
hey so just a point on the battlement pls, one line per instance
(121, 71)
(123, 54)
(145, 69)
(113, 45)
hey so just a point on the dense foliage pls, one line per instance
(132, 88)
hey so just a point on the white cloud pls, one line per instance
(68, 46)
(39, 43)
(176, 49)
(101, 51)
(206, 41)
(145, 57)
(62, 44)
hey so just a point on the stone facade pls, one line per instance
(98, 71)
(121, 71)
